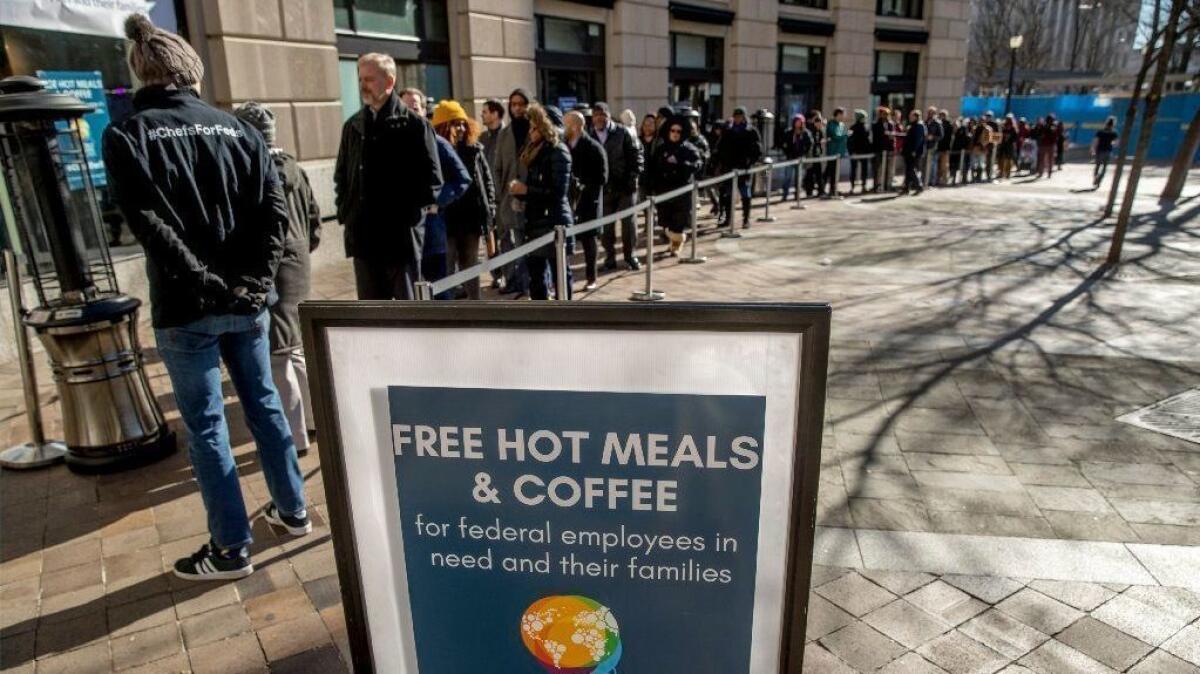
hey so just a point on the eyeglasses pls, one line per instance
(676, 131)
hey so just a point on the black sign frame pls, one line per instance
(809, 321)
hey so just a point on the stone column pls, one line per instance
(850, 61)
(752, 56)
(282, 54)
(639, 55)
(492, 49)
(945, 65)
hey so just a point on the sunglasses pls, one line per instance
(676, 131)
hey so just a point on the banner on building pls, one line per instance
(87, 86)
(94, 17)
(586, 490)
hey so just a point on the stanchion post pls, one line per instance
(649, 294)
(889, 170)
(695, 259)
(424, 291)
(734, 206)
(766, 216)
(36, 453)
(561, 291)
(837, 176)
(800, 171)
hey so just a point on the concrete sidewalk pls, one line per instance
(981, 509)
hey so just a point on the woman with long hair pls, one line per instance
(629, 120)
(648, 131)
(469, 217)
(547, 162)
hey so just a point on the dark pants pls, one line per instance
(541, 272)
(462, 252)
(516, 274)
(377, 280)
(743, 183)
(882, 180)
(858, 167)
(588, 241)
(912, 179)
(433, 268)
(1046, 160)
(830, 179)
(613, 202)
(1101, 166)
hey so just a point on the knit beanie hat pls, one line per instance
(161, 57)
(258, 116)
(860, 115)
(448, 111)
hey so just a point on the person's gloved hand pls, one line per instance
(214, 294)
(246, 302)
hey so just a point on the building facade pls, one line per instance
(299, 56)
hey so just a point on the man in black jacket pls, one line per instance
(740, 148)
(625, 166)
(589, 174)
(200, 192)
(387, 177)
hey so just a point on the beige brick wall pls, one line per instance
(751, 56)
(640, 55)
(492, 47)
(280, 53)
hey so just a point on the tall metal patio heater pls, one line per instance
(88, 328)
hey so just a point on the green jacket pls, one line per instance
(836, 134)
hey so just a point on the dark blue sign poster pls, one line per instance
(87, 86)
(578, 532)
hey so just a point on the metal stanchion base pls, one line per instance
(731, 234)
(766, 218)
(29, 455)
(799, 207)
(643, 296)
(693, 260)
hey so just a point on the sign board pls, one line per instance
(87, 86)
(583, 488)
(94, 17)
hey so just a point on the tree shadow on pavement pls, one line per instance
(981, 300)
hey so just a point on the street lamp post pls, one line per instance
(1014, 43)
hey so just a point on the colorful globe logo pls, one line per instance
(572, 635)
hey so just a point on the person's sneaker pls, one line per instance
(296, 525)
(212, 563)
(591, 285)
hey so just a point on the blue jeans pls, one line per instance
(789, 180)
(193, 355)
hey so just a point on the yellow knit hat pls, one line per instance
(448, 111)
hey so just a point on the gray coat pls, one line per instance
(507, 168)
(303, 235)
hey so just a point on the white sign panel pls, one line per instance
(94, 17)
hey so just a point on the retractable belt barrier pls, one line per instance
(426, 290)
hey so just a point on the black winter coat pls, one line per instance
(200, 192)
(589, 175)
(674, 165)
(860, 139)
(472, 213)
(303, 236)
(740, 147)
(548, 179)
(881, 138)
(797, 144)
(625, 160)
(387, 171)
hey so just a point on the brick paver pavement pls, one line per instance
(977, 367)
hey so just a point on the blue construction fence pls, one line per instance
(1083, 114)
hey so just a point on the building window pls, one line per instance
(697, 73)
(413, 32)
(420, 19)
(895, 80)
(697, 52)
(904, 9)
(570, 61)
(812, 4)
(798, 85)
(801, 59)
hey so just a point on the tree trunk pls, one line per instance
(1131, 114)
(1126, 131)
(1183, 161)
(1153, 98)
